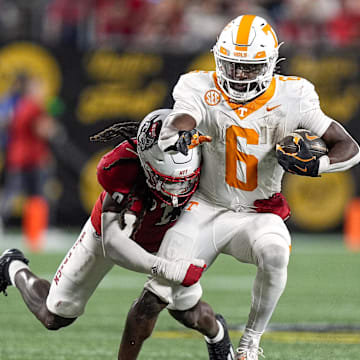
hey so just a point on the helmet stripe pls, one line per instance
(242, 37)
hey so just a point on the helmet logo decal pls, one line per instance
(260, 55)
(224, 51)
(266, 29)
(212, 97)
(149, 133)
(240, 54)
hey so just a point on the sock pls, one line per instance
(218, 337)
(250, 338)
(14, 267)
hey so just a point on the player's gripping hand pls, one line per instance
(180, 271)
(188, 140)
(277, 204)
(301, 162)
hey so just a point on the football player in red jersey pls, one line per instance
(126, 226)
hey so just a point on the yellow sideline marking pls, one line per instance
(277, 336)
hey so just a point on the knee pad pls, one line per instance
(274, 257)
(272, 252)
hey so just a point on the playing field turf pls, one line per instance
(317, 318)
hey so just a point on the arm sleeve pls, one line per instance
(120, 248)
(317, 122)
(313, 119)
(326, 167)
(124, 252)
(117, 171)
(186, 102)
(311, 115)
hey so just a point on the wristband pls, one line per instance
(324, 164)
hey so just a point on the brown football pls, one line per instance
(315, 144)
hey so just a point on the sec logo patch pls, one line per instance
(212, 97)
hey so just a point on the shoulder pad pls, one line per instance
(301, 89)
(119, 169)
(194, 80)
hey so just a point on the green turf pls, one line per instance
(323, 288)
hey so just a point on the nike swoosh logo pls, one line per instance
(310, 137)
(268, 108)
(301, 169)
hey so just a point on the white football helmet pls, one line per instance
(246, 54)
(173, 178)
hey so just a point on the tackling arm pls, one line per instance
(127, 253)
(178, 134)
(343, 152)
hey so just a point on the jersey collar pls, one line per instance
(251, 106)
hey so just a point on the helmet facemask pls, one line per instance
(245, 64)
(173, 191)
(243, 81)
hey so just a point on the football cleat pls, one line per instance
(5, 259)
(222, 350)
(249, 353)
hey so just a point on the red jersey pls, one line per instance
(120, 172)
(25, 148)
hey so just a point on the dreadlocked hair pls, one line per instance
(125, 130)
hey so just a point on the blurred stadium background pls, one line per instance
(104, 61)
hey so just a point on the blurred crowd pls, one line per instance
(174, 25)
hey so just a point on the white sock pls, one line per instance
(250, 338)
(14, 267)
(218, 337)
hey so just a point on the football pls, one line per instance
(314, 143)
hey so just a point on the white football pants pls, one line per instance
(205, 230)
(79, 274)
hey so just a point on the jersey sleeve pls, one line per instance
(309, 99)
(187, 98)
(311, 115)
(118, 170)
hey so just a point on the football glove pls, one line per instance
(277, 204)
(188, 140)
(301, 162)
(180, 271)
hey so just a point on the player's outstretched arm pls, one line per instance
(178, 134)
(343, 153)
(125, 252)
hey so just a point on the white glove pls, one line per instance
(179, 271)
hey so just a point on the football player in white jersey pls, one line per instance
(246, 109)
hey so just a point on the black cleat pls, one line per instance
(222, 350)
(5, 259)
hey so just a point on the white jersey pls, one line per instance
(240, 164)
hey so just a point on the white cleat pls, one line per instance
(249, 353)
